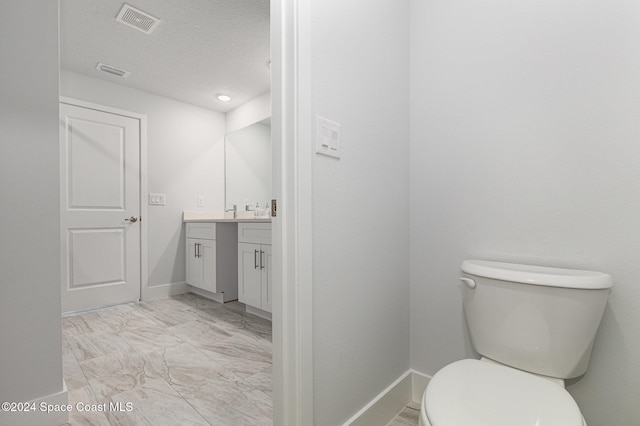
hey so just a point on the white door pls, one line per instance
(100, 208)
(201, 263)
(207, 251)
(194, 263)
(249, 289)
(266, 261)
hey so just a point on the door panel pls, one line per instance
(83, 269)
(196, 261)
(208, 249)
(249, 290)
(267, 287)
(95, 165)
(100, 192)
(193, 264)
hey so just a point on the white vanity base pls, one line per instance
(230, 259)
(216, 297)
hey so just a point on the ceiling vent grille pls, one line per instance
(137, 19)
(112, 70)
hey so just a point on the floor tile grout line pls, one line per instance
(189, 402)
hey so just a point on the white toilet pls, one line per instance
(534, 327)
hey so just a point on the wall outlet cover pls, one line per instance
(327, 137)
(157, 199)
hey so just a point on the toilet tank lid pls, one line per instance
(538, 275)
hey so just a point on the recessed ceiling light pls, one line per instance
(223, 98)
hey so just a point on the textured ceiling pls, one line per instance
(201, 47)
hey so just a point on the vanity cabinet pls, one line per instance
(207, 267)
(201, 264)
(254, 265)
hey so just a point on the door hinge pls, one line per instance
(274, 208)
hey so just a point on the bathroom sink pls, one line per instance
(246, 215)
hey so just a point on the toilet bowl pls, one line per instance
(535, 327)
(478, 393)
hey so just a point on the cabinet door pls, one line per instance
(208, 259)
(265, 276)
(194, 262)
(249, 289)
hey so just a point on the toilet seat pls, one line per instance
(477, 393)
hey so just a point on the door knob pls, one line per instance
(132, 219)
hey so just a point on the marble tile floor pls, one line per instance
(408, 416)
(183, 360)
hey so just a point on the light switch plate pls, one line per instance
(157, 199)
(327, 137)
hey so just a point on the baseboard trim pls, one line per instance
(391, 401)
(216, 297)
(40, 416)
(384, 407)
(419, 384)
(164, 290)
(258, 312)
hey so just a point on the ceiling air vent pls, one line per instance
(135, 18)
(112, 70)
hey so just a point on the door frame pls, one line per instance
(292, 160)
(142, 118)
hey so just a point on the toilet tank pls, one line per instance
(538, 319)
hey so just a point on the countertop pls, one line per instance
(195, 217)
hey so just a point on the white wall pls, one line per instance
(359, 78)
(30, 325)
(525, 146)
(252, 111)
(185, 159)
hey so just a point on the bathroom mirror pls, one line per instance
(248, 166)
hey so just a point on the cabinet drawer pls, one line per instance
(205, 231)
(258, 233)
